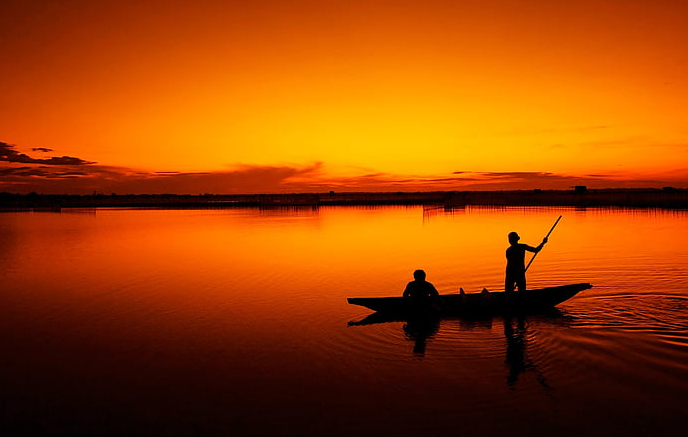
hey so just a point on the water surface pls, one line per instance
(235, 322)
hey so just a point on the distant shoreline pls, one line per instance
(667, 197)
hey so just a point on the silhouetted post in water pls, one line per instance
(515, 262)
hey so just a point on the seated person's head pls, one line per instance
(419, 275)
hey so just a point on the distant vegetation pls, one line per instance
(667, 197)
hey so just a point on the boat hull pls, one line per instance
(476, 303)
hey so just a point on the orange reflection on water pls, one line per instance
(243, 311)
(371, 250)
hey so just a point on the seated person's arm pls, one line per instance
(436, 296)
(407, 291)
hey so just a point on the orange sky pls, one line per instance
(274, 96)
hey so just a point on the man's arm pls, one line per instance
(535, 249)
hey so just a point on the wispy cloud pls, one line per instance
(459, 180)
(525, 180)
(548, 180)
(527, 131)
(638, 143)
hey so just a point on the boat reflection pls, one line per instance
(420, 330)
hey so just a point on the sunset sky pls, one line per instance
(290, 96)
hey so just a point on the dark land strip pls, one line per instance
(668, 197)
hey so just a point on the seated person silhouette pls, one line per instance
(515, 262)
(421, 290)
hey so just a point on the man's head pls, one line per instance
(419, 275)
(513, 237)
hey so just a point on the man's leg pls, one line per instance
(509, 284)
(521, 282)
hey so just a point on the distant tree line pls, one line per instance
(667, 197)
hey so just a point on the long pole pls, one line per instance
(546, 236)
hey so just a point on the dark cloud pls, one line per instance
(8, 154)
(23, 174)
(252, 179)
(81, 179)
(42, 149)
(23, 171)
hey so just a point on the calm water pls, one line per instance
(235, 322)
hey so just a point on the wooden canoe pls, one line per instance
(476, 303)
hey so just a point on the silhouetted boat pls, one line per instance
(476, 303)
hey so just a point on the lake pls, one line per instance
(235, 322)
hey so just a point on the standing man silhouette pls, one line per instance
(515, 262)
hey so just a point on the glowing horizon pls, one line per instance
(377, 95)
